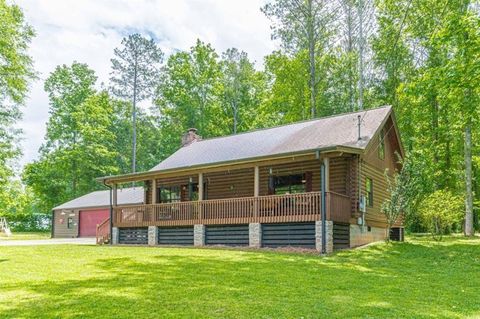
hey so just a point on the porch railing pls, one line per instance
(103, 232)
(262, 209)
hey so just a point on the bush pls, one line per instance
(441, 212)
(28, 222)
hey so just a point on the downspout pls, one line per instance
(324, 210)
(111, 212)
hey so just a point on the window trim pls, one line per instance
(273, 181)
(381, 145)
(369, 192)
(169, 188)
(70, 222)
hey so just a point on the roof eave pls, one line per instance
(144, 175)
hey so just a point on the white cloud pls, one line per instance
(88, 31)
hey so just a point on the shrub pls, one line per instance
(441, 212)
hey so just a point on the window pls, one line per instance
(290, 184)
(381, 145)
(369, 190)
(70, 222)
(191, 191)
(169, 194)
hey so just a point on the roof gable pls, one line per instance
(322, 133)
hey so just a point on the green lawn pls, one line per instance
(26, 235)
(417, 279)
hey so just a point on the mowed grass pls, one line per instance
(416, 279)
(26, 236)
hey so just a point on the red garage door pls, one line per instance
(89, 220)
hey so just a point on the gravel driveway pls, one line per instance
(53, 241)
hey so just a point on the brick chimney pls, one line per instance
(190, 136)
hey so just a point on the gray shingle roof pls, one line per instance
(133, 195)
(340, 130)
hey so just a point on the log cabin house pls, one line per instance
(317, 184)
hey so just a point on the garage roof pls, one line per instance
(125, 196)
(332, 131)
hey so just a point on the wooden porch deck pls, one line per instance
(261, 209)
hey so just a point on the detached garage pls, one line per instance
(80, 216)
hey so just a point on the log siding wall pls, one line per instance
(61, 229)
(373, 167)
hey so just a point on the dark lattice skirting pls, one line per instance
(341, 236)
(175, 235)
(288, 234)
(231, 235)
(135, 236)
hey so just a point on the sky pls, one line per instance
(87, 31)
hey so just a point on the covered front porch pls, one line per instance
(290, 194)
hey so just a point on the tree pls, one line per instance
(16, 72)
(135, 73)
(441, 212)
(302, 25)
(404, 190)
(79, 144)
(242, 91)
(149, 146)
(68, 87)
(189, 94)
(461, 37)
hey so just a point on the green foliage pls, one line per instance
(16, 68)
(242, 91)
(150, 149)
(135, 68)
(189, 93)
(135, 73)
(16, 72)
(79, 143)
(403, 189)
(19, 207)
(442, 212)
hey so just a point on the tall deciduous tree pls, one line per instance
(135, 73)
(303, 25)
(242, 89)
(68, 87)
(460, 36)
(16, 72)
(79, 142)
(189, 93)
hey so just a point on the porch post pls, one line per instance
(200, 186)
(113, 206)
(200, 195)
(256, 183)
(256, 191)
(115, 188)
(255, 229)
(154, 191)
(324, 227)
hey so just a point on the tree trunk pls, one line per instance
(360, 55)
(468, 181)
(350, 50)
(134, 122)
(235, 120)
(311, 53)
